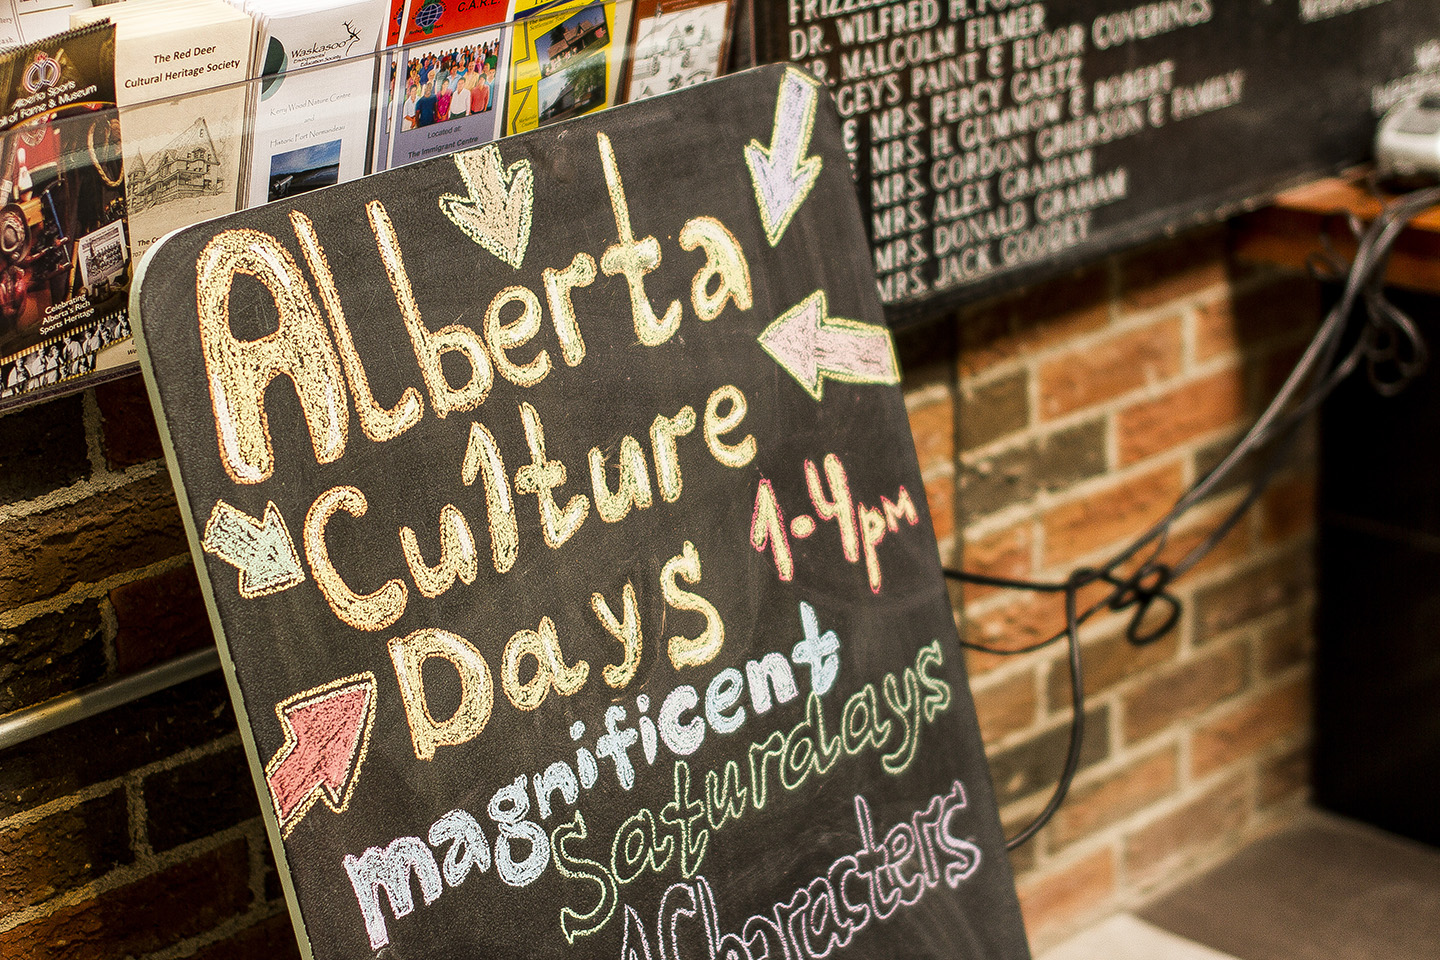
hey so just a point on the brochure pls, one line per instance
(567, 60)
(64, 259)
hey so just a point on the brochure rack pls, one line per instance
(64, 318)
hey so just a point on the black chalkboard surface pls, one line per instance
(563, 533)
(999, 141)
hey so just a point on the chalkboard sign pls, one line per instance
(998, 141)
(563, 533)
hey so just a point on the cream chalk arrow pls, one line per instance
(497, 212)
(327, 733)
(811, 345)
(261, 549)
(781, 173)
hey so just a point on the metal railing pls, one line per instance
(62, 711)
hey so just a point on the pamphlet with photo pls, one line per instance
(449, 93)
(312, 110)
(567, 60)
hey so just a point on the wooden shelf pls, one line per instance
(1288, 233)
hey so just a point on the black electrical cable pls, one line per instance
(1393, 352)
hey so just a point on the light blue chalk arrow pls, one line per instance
(261, 550)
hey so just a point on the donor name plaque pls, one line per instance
(997, 142)
(572, 571)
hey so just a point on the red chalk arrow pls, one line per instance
(327, 730)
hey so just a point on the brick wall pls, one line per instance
(136, 832)
(1052, 425)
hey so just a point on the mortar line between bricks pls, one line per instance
(94, 447)
(1171, 805)
(1017, 813)
(80, 592)
(122, 876)
(1034, 420)
(1037, 542)
(930, 394)
(1058, 862)
(1281, 813)
(1182, 873)
(1040, 728)
(1132, 755)
(1189, 336)
(981, 379)
(59, 805)
(107, 482)
(1215, 292)
(1260, 347)
(1301, 606)
(938, 471)
(1040, 677)
(1116, 835)
(1090, 633)
(1190, 653)
(1046, 725)
(1117, 690)
(1116, 744)
(1032, 510)
(1111, 435)
(1019, 738)
(1006, 672)
(1250, 636)
(1044, 669)
(1192, 786)
(135, 805)
(1042, 500)
(997, 371)
(1002, 597)
(975, 528)
(1192, 446)
(1256, 524)
(1119, 321)
(1257, 556)
(1176, 735)
(70, 800)
(1042, 433)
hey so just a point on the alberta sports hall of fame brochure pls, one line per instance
(64, 254)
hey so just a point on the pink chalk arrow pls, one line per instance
(812, 345)
(327, 730)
